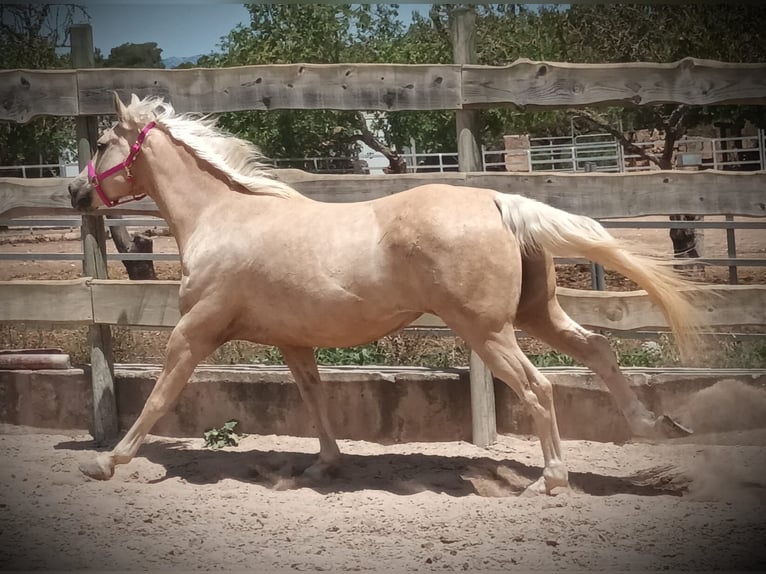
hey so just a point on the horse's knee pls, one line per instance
(535, 407)
(598, 340)
(543, 389)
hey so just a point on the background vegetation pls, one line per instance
(32, 36)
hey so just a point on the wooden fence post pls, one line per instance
(463, 28)
(105, 426)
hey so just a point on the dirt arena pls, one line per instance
(697, 503)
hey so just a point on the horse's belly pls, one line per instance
(312, 324)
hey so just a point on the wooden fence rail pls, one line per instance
(26, 94)
(154, 304)
(598, 195)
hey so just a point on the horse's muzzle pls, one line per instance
(81, 196)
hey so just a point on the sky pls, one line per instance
(181, 30)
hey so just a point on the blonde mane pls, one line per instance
(238, 159)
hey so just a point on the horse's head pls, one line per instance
(107, 179)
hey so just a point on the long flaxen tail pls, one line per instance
(540, 226)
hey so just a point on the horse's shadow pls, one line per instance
(401, 474)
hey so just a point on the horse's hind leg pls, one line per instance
(540, 315)
(501, 353)
(193, 338)
(302, 365)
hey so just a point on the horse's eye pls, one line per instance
(100, 146)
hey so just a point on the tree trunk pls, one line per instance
(137, 270)
(396, 163)
(684, 240)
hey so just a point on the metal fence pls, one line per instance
(39, 170)
(597, 152)
(563, 154)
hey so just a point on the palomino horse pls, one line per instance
(263, 263)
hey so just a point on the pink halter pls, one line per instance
(97, 178)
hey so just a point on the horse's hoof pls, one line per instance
(669, 428)
(552, 478)
(535, 489)
(100, 468)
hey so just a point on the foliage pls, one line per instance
(370, 354)
(216, 438)
(663, 33)
(551, 359)
(30, 35)
(129, 55)
(311, 33)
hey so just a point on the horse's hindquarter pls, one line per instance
(299, 272)
(456, 251)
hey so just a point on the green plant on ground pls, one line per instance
(552, 359)
(370, 354)
(216, 438)
(741, 354)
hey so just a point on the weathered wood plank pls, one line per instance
(284, 86)
(135, 303)
(47, 195)
(595, 194)
(539, 85)
(34, 361)
(607, 195)
(726, 306)
(155, 304)
(46, 302)
(25, 94)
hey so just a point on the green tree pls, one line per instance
(729, 32)
(334, 34)
(426, 41)
(660, 33)
(311, 33)
(129, 55)
(30, 35)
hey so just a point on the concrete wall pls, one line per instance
(378, 404)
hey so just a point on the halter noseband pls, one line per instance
(97, 178)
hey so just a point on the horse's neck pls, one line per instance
(180, 187)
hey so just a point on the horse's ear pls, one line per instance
(134, 99)
(119, 107)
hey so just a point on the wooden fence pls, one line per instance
(388, 87)
(461, 87)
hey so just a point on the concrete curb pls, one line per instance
(381, 404)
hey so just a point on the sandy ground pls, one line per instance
(696, 503)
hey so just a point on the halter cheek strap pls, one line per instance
(97, 178)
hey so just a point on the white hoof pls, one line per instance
(100, 468)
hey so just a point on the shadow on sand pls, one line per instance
(401, 474)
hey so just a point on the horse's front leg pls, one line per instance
(193, 339)
(302, 365)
